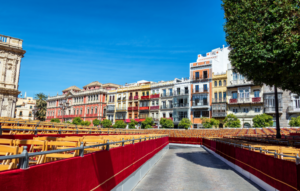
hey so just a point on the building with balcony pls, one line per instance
(11, 53)
(245, 100)
(24, 108)
(181, 100)
(288, 105)
(88, 103)
(219, 97)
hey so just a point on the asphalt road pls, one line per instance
(186, 168)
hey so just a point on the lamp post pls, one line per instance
(63, 106)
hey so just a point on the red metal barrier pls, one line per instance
(98, 171)
(281, 174)
(186, 140)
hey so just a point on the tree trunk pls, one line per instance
(278, 135)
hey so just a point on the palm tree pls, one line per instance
(41, 105)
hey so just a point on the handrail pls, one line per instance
(24, 156)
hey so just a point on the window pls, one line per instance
(216, 95)
(164, 92)
(96, 109)
(197, 114)
(147, 93)
(197, 88)
(77, 111)
(171, 115)
(197, 75)
(257, 110)
(234, 76)
(143, 93)
(30, 114)
(195, 126)
(164, 115)
(31, 107)
(235, 110)
(224, 95)
(186, 90)
(234, 95)
(171, 91)
(220, 95)
(245, 110)
(242, 77)
(205, 74)
(224, 83)
(216, 83)
(80, 111)
(256, 93)
(178, 91)
(92, 110)
(21, 113)
(220, 83)
(205, 113)
(204, 87)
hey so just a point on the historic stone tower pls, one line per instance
(11, 53)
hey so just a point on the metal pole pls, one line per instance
(24, 162)
(107, 146)
(278, 135)
(81, 151)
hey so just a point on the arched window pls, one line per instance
(88, 110)
(92, 110)
(220, 83)
(96, 109)
(80, 111)
(216, 83)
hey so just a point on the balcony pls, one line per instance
(218, 114)
(120, 109)
(130, 98)
(200, 79)
(91, 115)
(69, 116)
(234, 83)
(154, 96)
(271, 110)
(185, 93)
(145, 97)
(245, 100)
(166, 107)
(200, 103)
(133, 108)
(154, 108)
(181, 105)
(144, 108)
(50, 117)
(219, 100)
(294, 109)
(201, 90)
(164, 95)
(110, 110)
(136, 97)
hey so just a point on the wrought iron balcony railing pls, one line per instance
(219, 100)
(166, 107)
(170, 94)
(200, 103)
(181, 105)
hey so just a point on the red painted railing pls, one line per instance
(133, 108)
(130, 97)
(92, 115)
(145, 97)
(233, 101)
(50, 117)
(256, 99)
(144, 108)
(154, 107)
(136, 97)
(154, 96)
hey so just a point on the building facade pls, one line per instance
(219, 94)
(24, 108)
(88, 103)
(11, 53)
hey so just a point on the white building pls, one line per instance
(24, 108)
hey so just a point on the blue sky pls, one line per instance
(76, 42)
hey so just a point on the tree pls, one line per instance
(147, 123)
(86, 123)
(265, 40)
(232, 121)
(209, 123)
(262, 120)
(55, 120)
(77, 121)
(295, 122)
(185, 123)
(106, 123)
(96, 122)
(120, 124)
(132, 124)
(41, 104)
(166, 123)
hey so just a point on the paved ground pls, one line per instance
(186, 168)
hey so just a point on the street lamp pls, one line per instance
(63, 106)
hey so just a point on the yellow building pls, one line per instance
(219, 96)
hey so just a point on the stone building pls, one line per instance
(11, 53)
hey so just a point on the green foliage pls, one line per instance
(55, 120)
(166, 123)
(185, 123)
(96, 122)
(41, 104)
(106, 123)
(120, 124)
(232, 121)
(86, 123)
(132, 124)
(263, 120)
(147, 123)
(77, 121)
(67, 122)
(295, 122)
(265, 40)
(209, 123)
